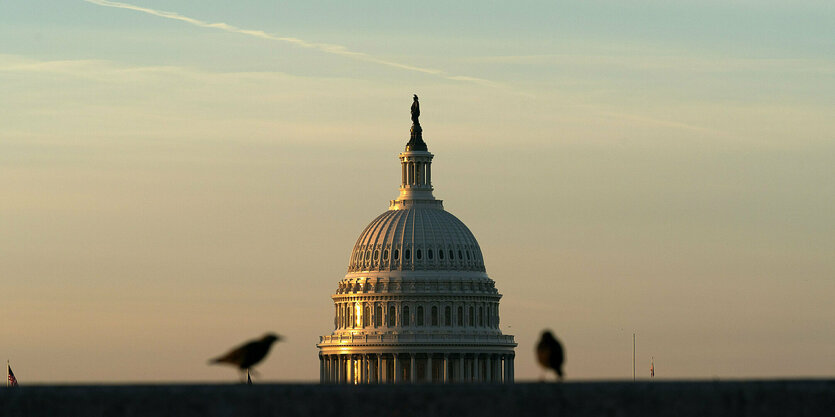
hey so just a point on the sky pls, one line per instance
(179, 176)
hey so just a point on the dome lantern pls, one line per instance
(415, 170)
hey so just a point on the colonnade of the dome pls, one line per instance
(416, 367)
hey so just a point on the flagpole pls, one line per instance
(633, 357)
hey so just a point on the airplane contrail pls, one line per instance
(323, 47)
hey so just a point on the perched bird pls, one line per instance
(549, 353)
(247, 355)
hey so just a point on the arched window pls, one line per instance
(434, 315)
(418, 254)
(460, 256)
(420, 316)
(441, 254)
(429, 253)
(447, 316)
(460, 316)
(405, 317)
(472, 317)
(392, 316)
(408, 254)
(366, 318)
(468, 255)
(386, 255)
(344, 316)
(396, 254)
(377, 254)
(481, 316)
(367, 255)
(378, 316)
(451, 255)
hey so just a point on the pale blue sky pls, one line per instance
(660, 167)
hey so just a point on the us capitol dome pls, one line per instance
(416, 304)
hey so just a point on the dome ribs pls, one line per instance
(399, 234)
(418, 228)
(358, 246)
(376, 256)
(411, 216)
(436, 241)
(381, 243)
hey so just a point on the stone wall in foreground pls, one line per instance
(680, 399)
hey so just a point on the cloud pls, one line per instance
(645, 60)
(323, 47)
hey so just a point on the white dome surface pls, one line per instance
(417, 238)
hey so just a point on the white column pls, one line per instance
(445, 374)
(389, 364)
(413, 368)
(398, 369)
(497, 368)
(350, 369)
(340, 373)
(461, 367)
(361, 369)
(512, 370)
(507, 369)
(428, 173)
(488, 365)
(403, 176)
(369, 371)
(327, 368)
(378, 376)
(334, 370)
(429, 368)
(478, 375)
(321, 369)
(343, 362)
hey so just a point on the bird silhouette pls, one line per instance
(244, 357)
(549, 353)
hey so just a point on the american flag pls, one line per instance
(652, 368)
(12, 379)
